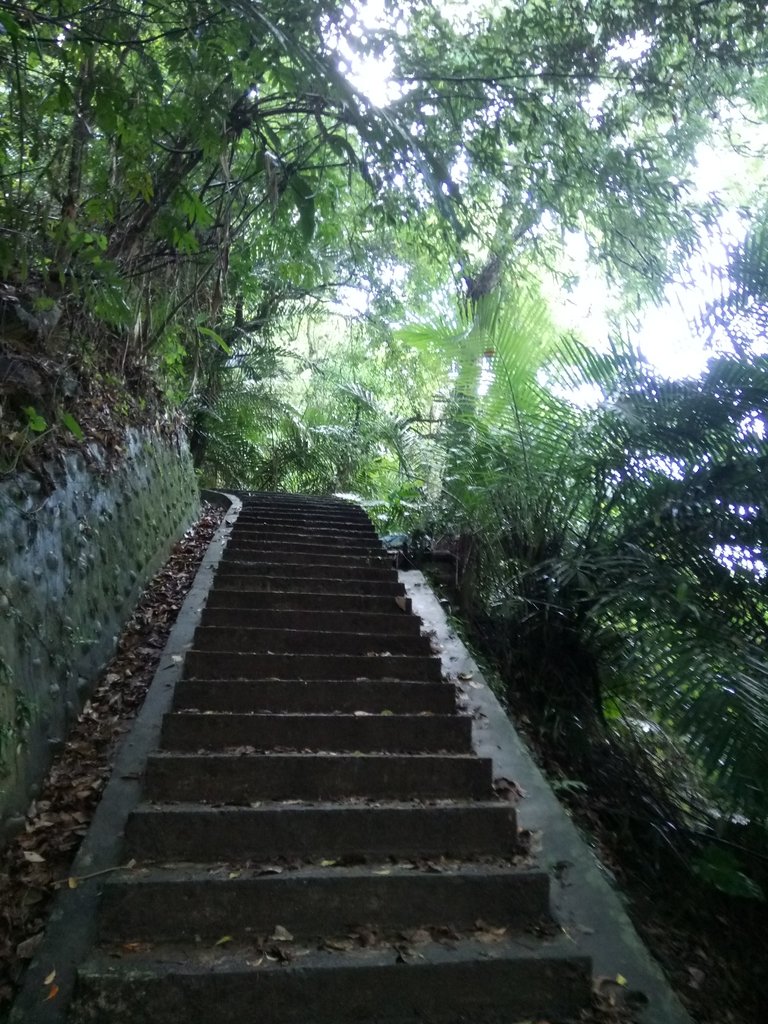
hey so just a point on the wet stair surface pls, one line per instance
(318, 842)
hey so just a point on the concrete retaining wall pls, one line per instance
(73, 562)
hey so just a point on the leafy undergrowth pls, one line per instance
(704, 939)
(38, 859)
(54, 396)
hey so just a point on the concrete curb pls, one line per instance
(71, 925)
(584, 901)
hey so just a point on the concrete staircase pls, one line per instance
(318, 842)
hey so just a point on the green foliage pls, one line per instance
(738, 317)
(614, 550)
(72, 425)
(337, 423)
(401, 509)
(161, 166)
(18, 714)
(722, 869)
(35, 421)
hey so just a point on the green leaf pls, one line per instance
(305, 203)
(722, 870)
(345, 149)
(35, 421)
(217, 338)
(9, 26)
(72, 425)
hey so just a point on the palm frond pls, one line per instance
(632, 529)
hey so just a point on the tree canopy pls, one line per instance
(175, 169)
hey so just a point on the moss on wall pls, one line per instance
(73, 561)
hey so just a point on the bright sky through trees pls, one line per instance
(730, 168)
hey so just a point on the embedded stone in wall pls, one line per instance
(72, 565)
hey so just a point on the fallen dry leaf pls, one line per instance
(367, 936)
(697, 977)
(508, 789)
(26, 949)
(136, 947)
(339, 945)
(488, 933)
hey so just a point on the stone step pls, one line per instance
(337, 516)
(393, 733)
(237, 779)
(306, 508)
(306, 534)
(175, 905)
(245, 639)
(304, 542)
(262, 582)
(296, 504)
(231, 665)
(305, 520)
(197, 833)
(308, 531)
(289, 496)
(438, 983)
(302, 520)
(306, 545)
(241, 564)
(235, 551)
(317, 695)
(342, 524)
(326, 621)
(291, 599)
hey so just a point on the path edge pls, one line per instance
(585, 902)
